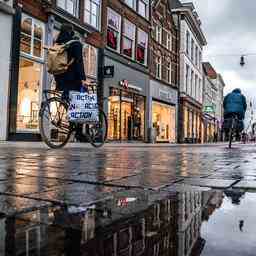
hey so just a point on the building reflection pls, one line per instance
(132, 223)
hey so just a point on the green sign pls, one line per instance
(209, 109)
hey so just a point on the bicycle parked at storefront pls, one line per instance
(56, 129)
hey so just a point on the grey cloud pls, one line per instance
(230, 28)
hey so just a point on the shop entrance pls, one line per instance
(126, 120)
(125, 115)
(164, 122)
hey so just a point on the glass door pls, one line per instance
(126, 121)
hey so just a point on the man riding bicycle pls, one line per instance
(234, 105)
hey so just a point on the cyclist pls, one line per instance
(234, 103)
(74, 78)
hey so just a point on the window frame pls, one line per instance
(134, 7)
(187, 42)
(196, 55)
(158, 67)
(191, 82)
(146, 2)
(169, 69)
(31, 55)
(169, 41)
(76, 7)
(159, 33)
(91, 47)
(98, 18)
(192, 49)
(187, 78)
(127, 37)
(119, 31)
(138, 30)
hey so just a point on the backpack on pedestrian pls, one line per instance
(57, 58)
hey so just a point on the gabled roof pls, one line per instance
(209, 70)
(189, 11)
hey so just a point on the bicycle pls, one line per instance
(233, 124)
(56, 129)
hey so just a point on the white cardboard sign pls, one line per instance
(83, 107)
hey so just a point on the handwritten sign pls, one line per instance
(83, 108)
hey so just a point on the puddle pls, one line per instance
(189, 222)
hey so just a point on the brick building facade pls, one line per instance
(126, 29)
(164, 64)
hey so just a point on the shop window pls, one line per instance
(128, 39)
(164, 122)
(90, 56)
(142, 46)
(114, 28)
(29, 91)
(126, 115)
(32, 36)
(30, 74)
(71, 6)
(92, 13)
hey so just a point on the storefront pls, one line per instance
(126, 115)
(192, 125)
(6, 21)
(26, 91)
(163, 112)
(126, 105)
(32, 79)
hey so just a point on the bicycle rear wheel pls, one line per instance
(98, 131)
(231, 131)
(55, 128)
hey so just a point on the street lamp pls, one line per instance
(242, 62)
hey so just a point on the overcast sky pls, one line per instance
(230, 28)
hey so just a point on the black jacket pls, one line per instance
(72, 79)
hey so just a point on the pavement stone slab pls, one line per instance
(146, 182)
(212, 183)
(12, 205)
(77, 194)
(246, 184)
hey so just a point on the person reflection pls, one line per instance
(71, 221)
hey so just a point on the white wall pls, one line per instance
(5, 48)
(186, 60)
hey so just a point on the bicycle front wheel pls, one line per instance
(98, 131)
(55, 128)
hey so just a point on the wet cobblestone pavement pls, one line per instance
(127, 200)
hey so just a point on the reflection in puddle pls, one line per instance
(185, 223)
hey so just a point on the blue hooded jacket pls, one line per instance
(235, 102)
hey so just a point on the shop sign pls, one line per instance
(208, 109)
(125, 84)
(164, 95)
(109, 71)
